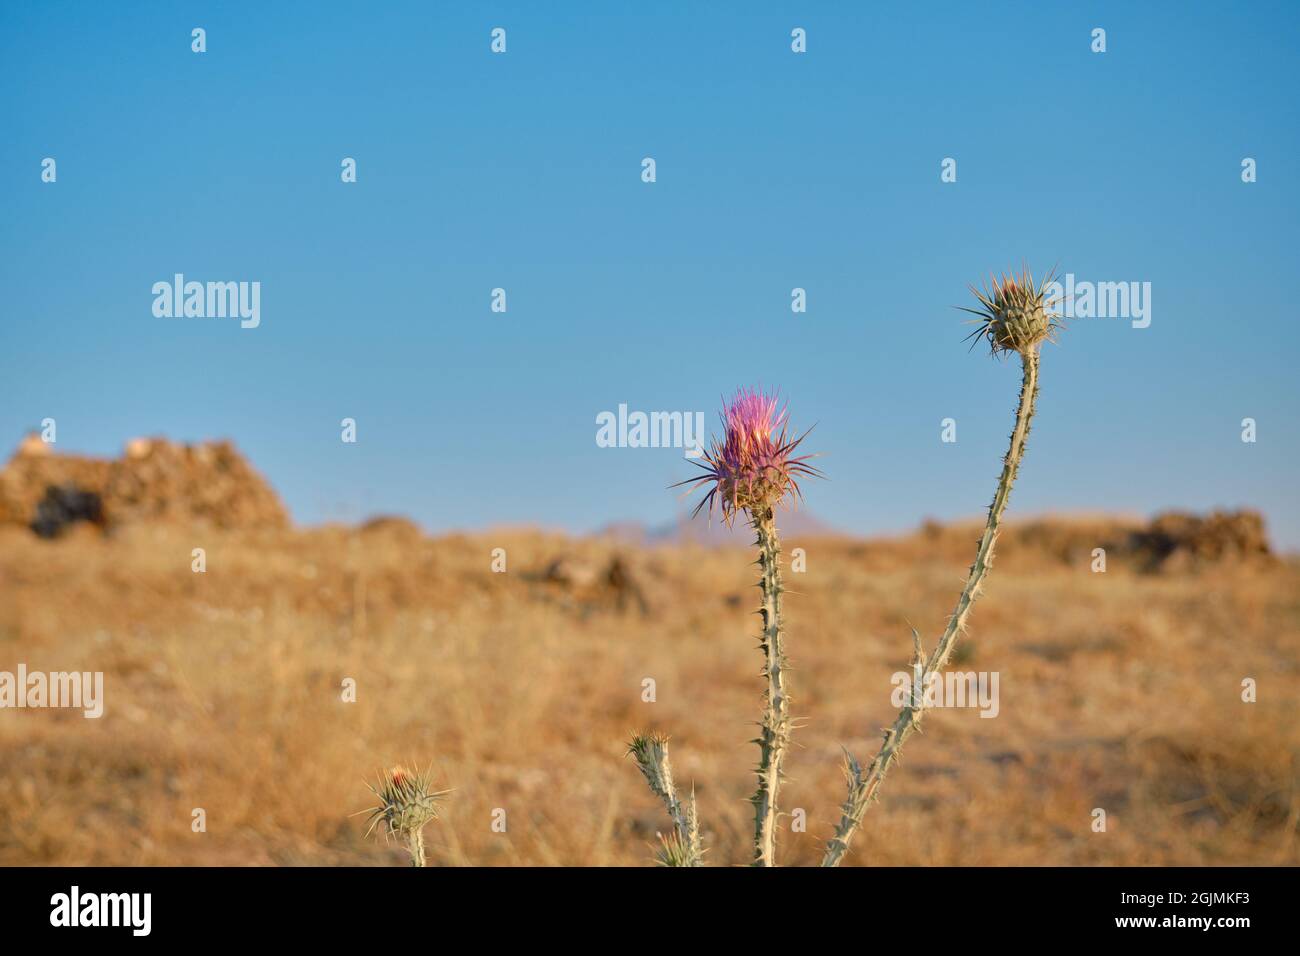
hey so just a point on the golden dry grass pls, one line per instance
(1118, 690)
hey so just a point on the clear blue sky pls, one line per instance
(775, 170)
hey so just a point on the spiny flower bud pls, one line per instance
(406, 805)
(1015, 313)
(650, 751)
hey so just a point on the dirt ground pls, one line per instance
(224, 691)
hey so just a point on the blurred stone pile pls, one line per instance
(154, 480)
(1175, 540)
(592, 585)
(1170, 543)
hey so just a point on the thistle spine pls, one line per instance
(863, 787)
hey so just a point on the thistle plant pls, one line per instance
(1014, 316)
(682, 846)
(753, 469)
(406, 806)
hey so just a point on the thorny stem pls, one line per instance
(651, 754)
(863, 787)
(775, 732)
(415, 843)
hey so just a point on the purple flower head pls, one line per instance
(754, 466)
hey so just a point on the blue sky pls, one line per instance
(774, 171)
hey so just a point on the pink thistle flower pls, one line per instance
(754, 467)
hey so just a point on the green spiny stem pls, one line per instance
(415, 843)
(775, 732)
(682, 846)
(863, 786)
(650, 750)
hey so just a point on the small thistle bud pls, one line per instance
(650, 751)
(406, 805)
(674, 851)
(1015, 313)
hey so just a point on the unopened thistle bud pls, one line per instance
(1015, 314)
(406, 805)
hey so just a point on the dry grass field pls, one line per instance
(1119, 690)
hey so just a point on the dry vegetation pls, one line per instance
(1118, 690)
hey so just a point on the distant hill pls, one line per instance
(1170, 541)
(714, 533)
(155, 480)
